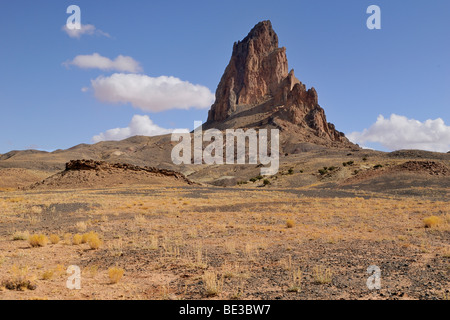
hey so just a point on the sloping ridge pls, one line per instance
(98, 174)
(13, 178)
(430, 168)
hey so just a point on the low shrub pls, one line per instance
(38, 240)
(115, 274)
(432, 221)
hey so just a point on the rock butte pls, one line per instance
(257, 90)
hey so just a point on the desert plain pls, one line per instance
(305, 233)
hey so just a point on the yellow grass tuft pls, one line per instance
(54, 239)
(67, 238)
(81, 226)
(20, 279)
(230, 246)
(115, 274)
(153, 243)
(85, 237)
(296, 285)
(60, 270)
(36, 210)
(76, 240)
(48, 274)
(93, 240)
(432, 221)
(21, 235)
(290, 223)
(38, 240)
(322, 275)
(140, 219)
(213, 285)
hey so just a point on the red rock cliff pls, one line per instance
(257, 80)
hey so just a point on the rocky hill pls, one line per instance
(100, 174)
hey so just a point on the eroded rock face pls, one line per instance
(87, 165)
(256, 69)
(257, 80)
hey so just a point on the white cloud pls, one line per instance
(139, 126)
(151, 94)
(87, 29)
(96, 61)
(399, 132)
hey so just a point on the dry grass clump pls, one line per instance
(36, 210)
(38, 240)
(60, 270)
(47, 274)
(67, 239)
(140, 219)
(20, 279)
(213, 285)
(115, 274)
(85, 237)
(290, 223)
(54, 239)
(92, 239)
(21, 235)
(77, 239)
(322, 275)
(94, 242)
(446, 253)
(230, 246)
(15, 200)
(296, 284)
(116, 248)
(200, 259)
(81, 226)
(153, 243)
(92, 270)
(286, 263)
(432, 221)
(34, 220)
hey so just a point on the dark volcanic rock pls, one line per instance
(91, 173)
(78, 165)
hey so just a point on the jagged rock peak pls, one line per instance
(263, 36)
(257, 89)
(257, 67)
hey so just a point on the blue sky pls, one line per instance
(387, 89)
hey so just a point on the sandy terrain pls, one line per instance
(194, 242)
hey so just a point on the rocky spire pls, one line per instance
(257, 81)
(256, 68)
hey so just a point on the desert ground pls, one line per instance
(306, 233)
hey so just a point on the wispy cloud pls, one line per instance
(399, 132)
(151, 94)
(86, 29)
(139, 126)
(96, 61)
